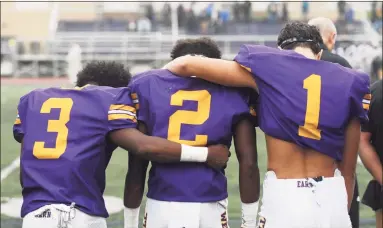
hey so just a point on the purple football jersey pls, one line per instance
(304, 101)
(193, 112)
(65, 150)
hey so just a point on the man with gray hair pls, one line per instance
(327, 30)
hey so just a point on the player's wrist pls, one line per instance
(131, 217)
(249, 214)
(193, 154)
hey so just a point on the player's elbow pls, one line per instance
(181, 66)
(182, 69)
(142, 150)
(146, 150)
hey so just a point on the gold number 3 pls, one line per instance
(310, 129)
(59, 126)
(180, 117)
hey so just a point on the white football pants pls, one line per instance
(61, 216)
(163, 214)
(304, 203)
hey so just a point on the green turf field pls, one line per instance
(10, 187)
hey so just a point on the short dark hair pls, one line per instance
(299, 34)
(201, 46)
(103, 73)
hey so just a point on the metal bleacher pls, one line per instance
(129, 48)
(108, 39)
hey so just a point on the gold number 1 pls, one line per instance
(310, 129)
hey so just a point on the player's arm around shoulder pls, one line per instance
(249, 181)
(224, 72)
(122, 131)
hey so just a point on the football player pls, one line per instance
(311, 112)
(68, 136)
(194, 112)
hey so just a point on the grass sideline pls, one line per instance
(12, 90)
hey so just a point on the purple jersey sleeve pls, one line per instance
(122, 113)
(243, 58)
(360, 97)
(140, 102)
(248, 54)
(18, 132)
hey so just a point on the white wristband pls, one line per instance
(131, 217)
(249, 214)
(193, 154)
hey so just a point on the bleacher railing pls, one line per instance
(132, 47)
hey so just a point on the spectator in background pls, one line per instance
(376, 16)
(285, 12)
(237, 11)
(371, 152)
(150, 12)
(209, 11)
(349, 16)
(327, 30)
(341, 10)
(144, 25)
(272, 12)
(166, 15)
(373, 15)
(181, 15)
(192, 24)
(305, 10)
(221, 23)
(247, 11)
(376, 69)
(132, 26)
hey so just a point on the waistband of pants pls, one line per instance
(271, 177)
(225, 201)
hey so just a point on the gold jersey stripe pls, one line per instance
(17, 121)
(247, 68)
(121, 117)
(122, 107)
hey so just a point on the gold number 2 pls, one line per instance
(310, 129)
(180, 117)
(59, 126)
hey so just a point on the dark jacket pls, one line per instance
(334, 58)
(375, 115)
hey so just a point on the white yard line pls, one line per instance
(10, 168)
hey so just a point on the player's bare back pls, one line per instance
(290, 161)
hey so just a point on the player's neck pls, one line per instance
(305, 52)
